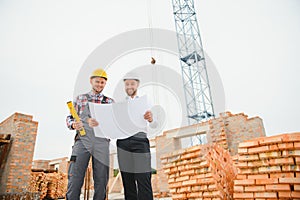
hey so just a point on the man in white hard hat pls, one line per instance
(89, 145)
(134, 153)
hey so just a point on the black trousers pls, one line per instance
(135, 165)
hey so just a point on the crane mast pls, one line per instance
(194, 73)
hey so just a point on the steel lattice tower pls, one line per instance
(194, 74)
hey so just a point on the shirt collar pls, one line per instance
(129, 97)
(93, 94)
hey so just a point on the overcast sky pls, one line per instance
(254, 45)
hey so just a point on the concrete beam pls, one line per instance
(187, 131)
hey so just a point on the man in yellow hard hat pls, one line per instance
(88, 145)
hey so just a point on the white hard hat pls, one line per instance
(131, 76)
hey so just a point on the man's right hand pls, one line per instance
(77, 125)
(92, 122)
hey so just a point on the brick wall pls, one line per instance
(40, 164)
(231, 129)
(16, 171)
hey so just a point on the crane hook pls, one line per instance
(153, 61)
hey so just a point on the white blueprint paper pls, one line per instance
(120, 120)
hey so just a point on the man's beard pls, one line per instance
(132, 93)
(97, 91)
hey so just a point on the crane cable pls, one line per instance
(150, 26)
(154, 70)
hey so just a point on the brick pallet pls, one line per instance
(200, 172)
(269, 168)
(50, 185)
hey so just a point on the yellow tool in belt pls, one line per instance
(75, 116)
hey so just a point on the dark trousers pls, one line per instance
(135, 164)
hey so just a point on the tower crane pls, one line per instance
(194, 73)
(192, 60)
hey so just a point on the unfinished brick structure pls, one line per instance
(59, 164)
(231, 129)
(228, 130)
(16, 169)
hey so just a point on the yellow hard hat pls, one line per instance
(99, 73)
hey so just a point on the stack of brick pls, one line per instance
(50, 185)
(269, 168)
(203, 171)
(227, 130)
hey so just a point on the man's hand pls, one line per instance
(77, 125)
(148, 116)
(92, 122)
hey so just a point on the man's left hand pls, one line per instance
(148, 116)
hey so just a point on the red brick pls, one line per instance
(205, 181)
(281, 161)
(284, 194)
(182, 178)
(266, 181)
(190, 182)
(258, 149)
(242, 150)
(255, 188)
(237, 188)
(293, 137)
(187, 172)
(273, 147)
(242, 165)
(258, 176)
(176, 196)
(292, 168)
(243, 195)
(273, 154)
(259, 163)
(265, 195)
(248, 144)
(285, 146)
(269, 169)
(295, 194)
(248, 157)
(199, 188)
(282, 175)
(244, 182)
(194, 194)
(270, 140)
(289, 180)
(297, 145)
(183, 190)
(289, 194)
(278, 187)
(297, 188)
(241, 177)
(290, 153)
(248, 171)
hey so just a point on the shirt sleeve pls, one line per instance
(70, 120)
(154, 123)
